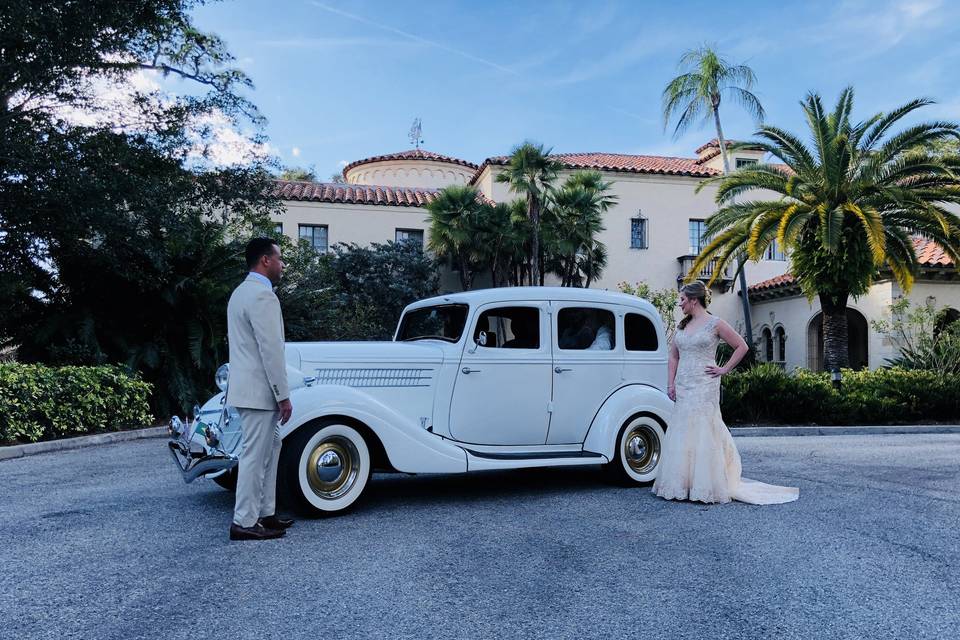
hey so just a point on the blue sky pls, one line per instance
(339, 81)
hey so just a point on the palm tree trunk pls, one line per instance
(744, 297)
(533, 209)
(836, 354)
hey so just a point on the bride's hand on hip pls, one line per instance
(714, 371)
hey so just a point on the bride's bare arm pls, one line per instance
(672, 371)
(735, 340)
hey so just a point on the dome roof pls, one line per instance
(411, 154)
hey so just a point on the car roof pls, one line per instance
(521, 294)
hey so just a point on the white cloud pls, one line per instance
(129, 104)
(296, 152)
(342, 163)
(625, 56)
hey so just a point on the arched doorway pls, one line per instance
(856, 341)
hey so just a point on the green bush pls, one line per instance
(43, 403)
(767, 394)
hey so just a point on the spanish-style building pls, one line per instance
(652, 234)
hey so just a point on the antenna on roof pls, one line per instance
(415, 132)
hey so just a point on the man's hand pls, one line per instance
(286, 408)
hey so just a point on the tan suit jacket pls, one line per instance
(258, 369)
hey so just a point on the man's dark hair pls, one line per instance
(257, 248)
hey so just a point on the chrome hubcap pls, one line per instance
(641, 449)
(333, 467)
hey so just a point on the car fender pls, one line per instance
(623, 403)
(409, 447)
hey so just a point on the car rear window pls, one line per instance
(639, 333)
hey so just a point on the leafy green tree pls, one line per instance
(845, 207)
(114, 232)
(531, 172)
(299, 174)
(353, 293)
(694, 97)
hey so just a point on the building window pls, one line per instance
(410, 235)
(745, 162)
(638, 233)
(316, 235)
(767, 343)
(774, 252)
(697, 235)
(278, 228)
(780, 338)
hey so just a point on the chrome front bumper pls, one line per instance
(199, 447)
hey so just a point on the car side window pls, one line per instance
(581, 328)
(639, 333)
(508, 328)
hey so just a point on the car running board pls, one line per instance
(544, 455)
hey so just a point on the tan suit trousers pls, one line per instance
(257, 477)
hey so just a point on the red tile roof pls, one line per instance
(621, 162)
(929, 254)
(410, 154)
(353, 193)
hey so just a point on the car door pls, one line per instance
(588, 365)
(502, 390)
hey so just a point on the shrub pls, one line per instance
(42, 403)
(766, 393)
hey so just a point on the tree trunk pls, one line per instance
(533, 209)
(464, 282)
(744, 297)
(836, 350)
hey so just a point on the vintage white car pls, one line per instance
(491, 379)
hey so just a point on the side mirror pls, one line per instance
(482, 339)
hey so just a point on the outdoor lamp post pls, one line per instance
(836, 377)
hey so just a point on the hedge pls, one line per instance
(43, 403)
(767, 394)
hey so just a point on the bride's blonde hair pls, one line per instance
(694, 290)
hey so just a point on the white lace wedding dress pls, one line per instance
(699, 460)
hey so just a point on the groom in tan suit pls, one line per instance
(258, 389)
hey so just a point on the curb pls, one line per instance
(21, 450)
(853, 430)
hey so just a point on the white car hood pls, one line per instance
(313, 354)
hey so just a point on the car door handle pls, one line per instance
(561, 369)
(468, 370)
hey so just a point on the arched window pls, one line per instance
(780, 338)
(767, 342)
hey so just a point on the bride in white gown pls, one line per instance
(699, 460)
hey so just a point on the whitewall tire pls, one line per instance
(325, 467)
(636, 458)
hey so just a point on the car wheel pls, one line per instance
(228, 479)
(637, 453)
(324, 467)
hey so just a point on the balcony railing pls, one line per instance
(724, 279)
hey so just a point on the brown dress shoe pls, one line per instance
(273, 522)
(256, 532)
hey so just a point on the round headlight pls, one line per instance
(223, 375)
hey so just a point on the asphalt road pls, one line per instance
(109, 543)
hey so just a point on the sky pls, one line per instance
(339, 81)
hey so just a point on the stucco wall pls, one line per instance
(410, 173)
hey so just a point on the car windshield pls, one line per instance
(441, 322)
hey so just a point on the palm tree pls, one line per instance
(531, 172)
(846, 207)
(575, 218)
(456, 222)
(695, 95)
